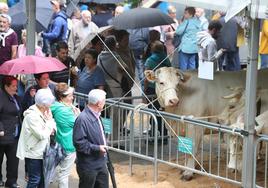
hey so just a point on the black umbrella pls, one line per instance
(102, 1)
(111, 169)
(44, 13)
(141, 17)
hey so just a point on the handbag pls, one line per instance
(177, 38)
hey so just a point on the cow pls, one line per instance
(184, 93)
(233, 115)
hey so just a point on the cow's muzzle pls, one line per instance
(173, 102)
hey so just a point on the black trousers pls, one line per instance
(94, 179)
(12, 162)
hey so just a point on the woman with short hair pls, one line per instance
(65, 113)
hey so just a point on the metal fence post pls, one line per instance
(250, 111)
(155, 151)
(131, 144)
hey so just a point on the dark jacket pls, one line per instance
(10, 117)
(228, 35)
(28, 100)
(87, 137)
(58, 29)
(63, 75)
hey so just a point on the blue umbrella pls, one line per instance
(43, 14)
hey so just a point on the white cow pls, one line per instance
(233, 116)
(184, 93)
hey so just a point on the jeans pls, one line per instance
(139, 65)
(35, 173)
(94, 179)
(187, 61)
(264, 61)
(231, 61)
(64, 170)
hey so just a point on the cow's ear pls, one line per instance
(149, 75)
(184, 77)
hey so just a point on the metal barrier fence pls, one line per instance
(147, 134)
(261, 161)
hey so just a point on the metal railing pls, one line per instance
(147, 134)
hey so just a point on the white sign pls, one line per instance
(206, 70)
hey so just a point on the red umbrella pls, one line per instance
(31, 65)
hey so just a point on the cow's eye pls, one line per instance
(231, 106)
(161, 83)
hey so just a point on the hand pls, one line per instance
(74, 70)
(2, 133)
(32, 92)
(53, 132)
(103, 150)
(48, 114)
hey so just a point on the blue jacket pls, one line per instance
(189, 41)
(58, 29)
(87, 138)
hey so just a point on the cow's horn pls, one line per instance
(233, 95)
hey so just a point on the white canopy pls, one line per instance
(232, 7)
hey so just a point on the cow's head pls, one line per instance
(167, 84)
(236, 143)
(235, 105)
(236, 146)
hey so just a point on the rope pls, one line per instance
(137, 84)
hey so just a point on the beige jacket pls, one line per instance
(35, 134)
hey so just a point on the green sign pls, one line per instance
(107, 123)
(185, 144)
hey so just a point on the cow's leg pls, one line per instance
(195, 133)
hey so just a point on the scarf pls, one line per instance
(3, 36)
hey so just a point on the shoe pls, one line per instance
(2, 183)
(12, 186)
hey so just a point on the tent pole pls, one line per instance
(250, 110)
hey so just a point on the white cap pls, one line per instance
(44, 97)
(96, 95)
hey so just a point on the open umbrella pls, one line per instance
(141, 17)
(31, 65)
(44, 13)
(79, 52)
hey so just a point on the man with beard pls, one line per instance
(206, 41)
(81, 30)
(8, 39)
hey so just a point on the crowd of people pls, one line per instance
(45, 109)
